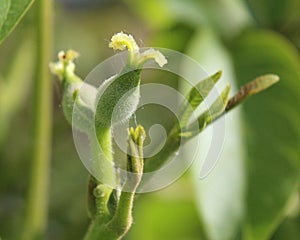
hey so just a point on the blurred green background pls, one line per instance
(253, 193)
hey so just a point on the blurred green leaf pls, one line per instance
(289, 229)
(16, 85)
(180, 31)
(220, 195)
(163, 14)
(274, 13)
(168, 214)
(11, 12)
(226, 17)
(272, 128)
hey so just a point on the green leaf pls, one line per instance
(214, 111)
(11, 12)
(274, 13)
(226, 17)
(219, 196)
(163, 14)
(272, 129)
(255, 86)
(289, 229)
(196, 96)
(17, 82)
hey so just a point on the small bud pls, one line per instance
(137, 135)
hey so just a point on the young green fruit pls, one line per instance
(119, 95)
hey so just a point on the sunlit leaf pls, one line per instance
(219, 195)
(218, 12)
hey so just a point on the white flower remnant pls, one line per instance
(65, 65)
(121, 41)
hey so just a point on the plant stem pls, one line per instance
(116, 227)
(36, 209)
(104, 161)
(122, 221)
(104, 164)
(101, 192)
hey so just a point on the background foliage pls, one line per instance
(253, 193)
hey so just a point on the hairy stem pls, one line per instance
(103, 166)
(116, 227)
(36, 208)
(104, 160)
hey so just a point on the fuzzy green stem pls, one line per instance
(104, 162)
(104, 167)
(97, 229)
(36, 208)
(116, 227)
(101, 193)
(122, 220)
